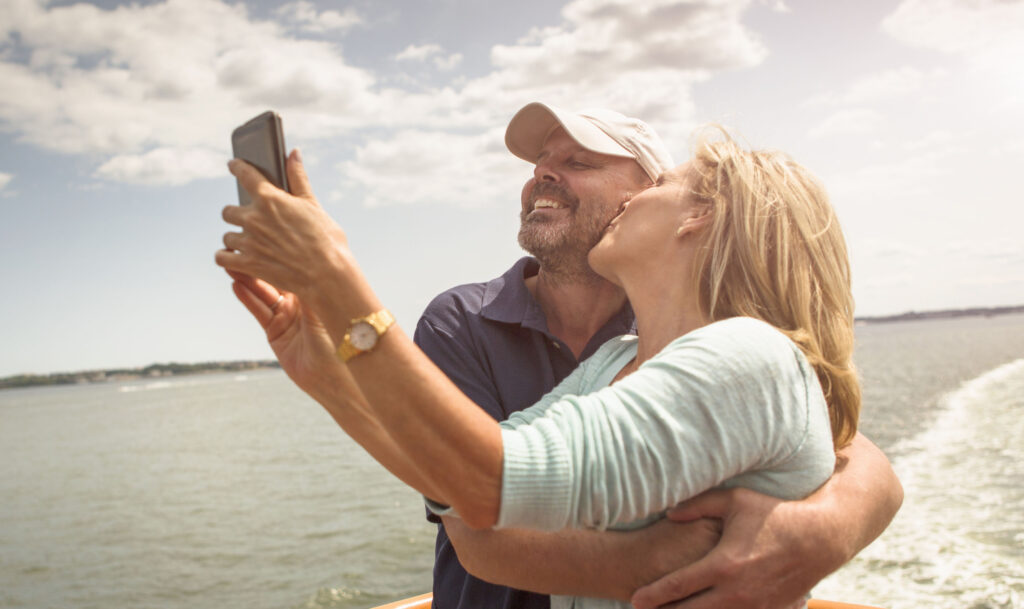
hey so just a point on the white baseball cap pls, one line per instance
(600, 130)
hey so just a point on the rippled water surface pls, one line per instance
(237, 491)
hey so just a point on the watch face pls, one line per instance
(363, 336)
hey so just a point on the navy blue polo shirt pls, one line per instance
(492, 340)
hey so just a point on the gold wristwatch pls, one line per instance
(363, 333)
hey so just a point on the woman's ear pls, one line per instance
(699, 218)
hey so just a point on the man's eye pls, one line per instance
(579, 165)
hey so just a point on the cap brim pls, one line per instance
(533, 124)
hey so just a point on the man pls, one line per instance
(508, 341)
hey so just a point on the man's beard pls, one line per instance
(562, 247)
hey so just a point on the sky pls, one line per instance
(115, 119)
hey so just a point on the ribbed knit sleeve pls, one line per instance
(735, 400)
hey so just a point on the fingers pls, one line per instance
(253, 303)
(234, 214)
(233, 257)
(283, 236)
(248, 176)
(230, 260)
(260, 189)
(268, 294)
(234, 241)
(298, 181)
(675, 586)
(241, 277)
(701, 600)
(261, 298)
(709, 504)
(252, 284)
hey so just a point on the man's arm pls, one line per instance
(773, 552)
(609, 564)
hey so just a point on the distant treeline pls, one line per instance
(123, 374)
(946, 314)
(175, 369)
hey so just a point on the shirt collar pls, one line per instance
(508, 300)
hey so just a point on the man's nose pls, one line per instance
(543, 172)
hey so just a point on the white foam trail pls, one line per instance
(183, 381)
(956, 543)
(146, 387)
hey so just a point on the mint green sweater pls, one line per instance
(734, 403)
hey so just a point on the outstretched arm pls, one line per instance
(773, 552)
(290, 242)
(304, 350)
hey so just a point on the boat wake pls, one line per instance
(958, 541)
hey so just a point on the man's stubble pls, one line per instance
(561, 246)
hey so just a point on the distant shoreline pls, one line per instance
(174, 369)
(944, 314)
(131, 374)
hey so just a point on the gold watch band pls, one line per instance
(379, 321)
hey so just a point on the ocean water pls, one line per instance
(236, 491)
(945, 400)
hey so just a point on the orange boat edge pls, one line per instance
(415, 602)
(423, 602)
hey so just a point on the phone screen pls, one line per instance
(260, 141)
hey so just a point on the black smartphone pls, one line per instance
(260, 141)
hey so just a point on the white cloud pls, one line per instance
(986, 35)
(906, 172)
(418, 52)
(866, 105)
(421, 53)
(176, 74)
(897, 275)
(1013, 148)
(303, 15)
(604, 39)
(641, 57)
(893, 251)
(5, 179)
(903, 272)
(879, 87)
(449, 62)
(165, 82)
(959, 26)
(164, 166)
(887, 281)
(994, 251)
(987, 281)
(421, 167)
(846, 122)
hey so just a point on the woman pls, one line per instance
(737, 272)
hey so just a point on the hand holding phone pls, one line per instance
(260, 142)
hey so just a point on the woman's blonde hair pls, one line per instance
(773, 250)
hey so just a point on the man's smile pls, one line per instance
(547, 199)
(546, 203)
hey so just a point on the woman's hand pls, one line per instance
(287, 239)
(299, 340)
